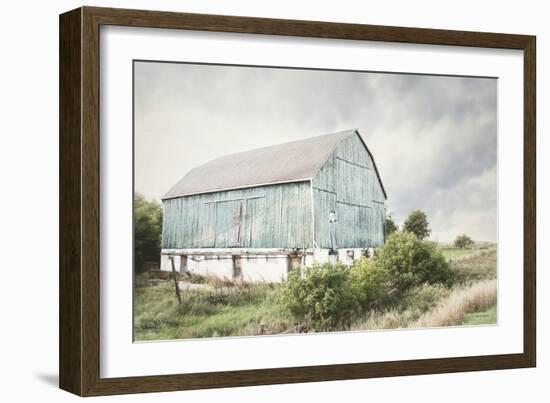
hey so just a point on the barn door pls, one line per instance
(239, 220)
(325, 236)
(253, 228)
(229, 223)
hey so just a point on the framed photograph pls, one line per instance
(249, 201)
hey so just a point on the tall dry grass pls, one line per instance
(480, 266)
(478, 297)
(449, 311)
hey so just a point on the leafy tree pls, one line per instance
(407, 262)
(147, 231)
(390, 226)
(417, 223)
(463, 241)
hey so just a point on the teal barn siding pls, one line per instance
(348, 184)
(280, 197)
(274, 216)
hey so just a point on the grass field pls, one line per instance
(219, 308)
(452, 253)
(481, 318)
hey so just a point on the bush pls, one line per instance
(424, 298)
(405, 273)
(369, 283)
(323, 296)
(408, 261)
(463, 241)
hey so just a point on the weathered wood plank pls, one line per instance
(275, 216)
(348, 184)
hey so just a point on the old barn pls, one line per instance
(256, 215)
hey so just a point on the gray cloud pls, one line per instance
(434, 138)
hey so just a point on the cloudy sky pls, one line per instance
(434, 138)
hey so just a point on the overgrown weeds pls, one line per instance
(481, 266)
(220, 308)
(477, 297)
(365, 296)
(440, 310)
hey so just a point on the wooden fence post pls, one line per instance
(175, 279)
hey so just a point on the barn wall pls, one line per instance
(255, 268)
(348, 184)
(276, 216)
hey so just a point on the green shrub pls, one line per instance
(408, 261)
(323, 296)
(369, 283)
(423, 298)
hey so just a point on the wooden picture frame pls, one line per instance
(79, 317)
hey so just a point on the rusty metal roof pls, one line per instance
(282, 163)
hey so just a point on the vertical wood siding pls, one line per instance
(280, 216)
(276, 216)
(348, 185)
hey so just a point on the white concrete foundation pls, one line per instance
(253, 267)
(348, 256)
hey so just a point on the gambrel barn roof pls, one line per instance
(296, 161)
